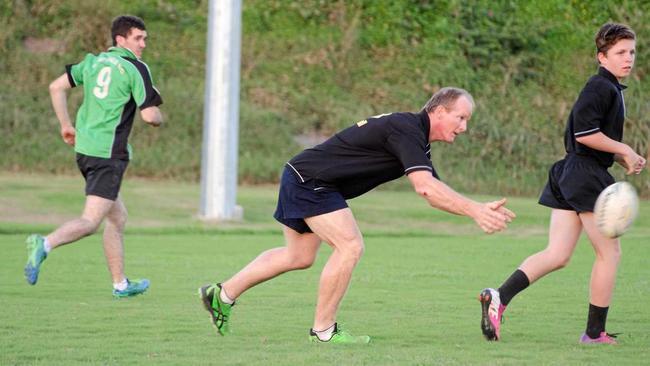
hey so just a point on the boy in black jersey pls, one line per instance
(593, 142)
(312, 203)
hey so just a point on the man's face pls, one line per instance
(134, 41)
(451, 122)
(619, 59)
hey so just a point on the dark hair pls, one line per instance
(446, 97)
(122, 26)
(610, 33)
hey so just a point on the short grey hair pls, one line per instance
(446, 97)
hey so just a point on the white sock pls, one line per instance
(224, 297)
(325, 335)
(46, 246)
(121, 286)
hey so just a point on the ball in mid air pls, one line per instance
(616, 209)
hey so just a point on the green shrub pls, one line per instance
(316, 66)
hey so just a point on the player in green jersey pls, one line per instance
(115, 83)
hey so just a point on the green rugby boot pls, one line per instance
(219, 311)
(35, 256)
(135, 287)
(340, 336)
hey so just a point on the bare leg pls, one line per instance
(608, 254)
(563, 236)
(339, 229)
(114, 240)
(299, 253)
(95, 210)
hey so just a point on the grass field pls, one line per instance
(414, 291)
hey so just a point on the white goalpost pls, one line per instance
(221, 113)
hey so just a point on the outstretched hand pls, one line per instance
(500, 206)
(493, 216)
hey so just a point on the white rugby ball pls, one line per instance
(616, 209)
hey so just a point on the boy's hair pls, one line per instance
(122, 26)
(610, 33)
(446, 97)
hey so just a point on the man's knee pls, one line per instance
(353, 249)
(89, 226)
(303, 261)
(95, 211)
(118, 220)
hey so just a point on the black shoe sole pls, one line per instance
(486, 325)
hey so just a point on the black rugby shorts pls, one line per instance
(574, 183)
(103, 176)
(297, 200)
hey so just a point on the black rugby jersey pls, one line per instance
(599, 108)
(367, 154)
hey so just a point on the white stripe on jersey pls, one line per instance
(586, 132)
(294, 169)
(417, 167)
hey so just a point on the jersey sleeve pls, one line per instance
(75, 72)
(143, 90)
(411, 148)
(589, 112)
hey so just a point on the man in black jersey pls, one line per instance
(312, 203)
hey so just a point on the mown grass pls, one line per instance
(414, 290)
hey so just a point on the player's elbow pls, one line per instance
(422, 183)
(423, 190)
(430, 194)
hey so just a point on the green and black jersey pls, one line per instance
(115, 82)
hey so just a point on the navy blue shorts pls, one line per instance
(103, 176)
(298, 200)
(574, 183)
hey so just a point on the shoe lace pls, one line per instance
(221, 318)
(613, 335)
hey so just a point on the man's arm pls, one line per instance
(152, 116)
(623, 154)
(58, 95)
(490, 216)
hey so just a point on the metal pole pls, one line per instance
(221, 113)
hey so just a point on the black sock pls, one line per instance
(516, 283)
(596, 321)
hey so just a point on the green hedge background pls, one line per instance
(311, 67)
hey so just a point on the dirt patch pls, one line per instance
(44, 45)
(14, 212)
